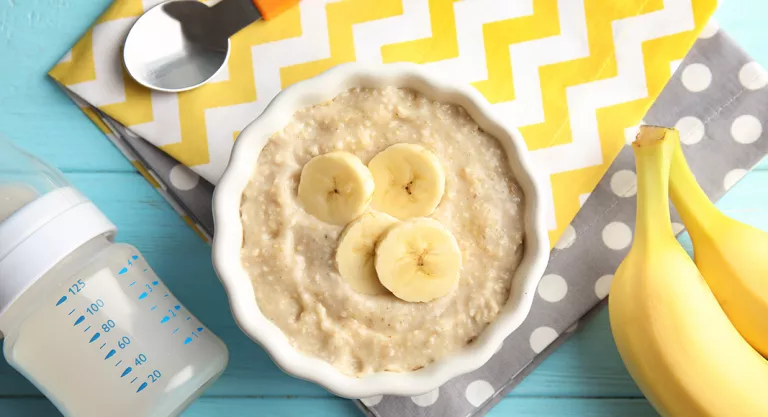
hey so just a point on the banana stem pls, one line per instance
(652, 158)
(689, 199)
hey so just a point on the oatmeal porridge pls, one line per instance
(291, 255)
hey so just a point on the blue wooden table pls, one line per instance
(585, 377)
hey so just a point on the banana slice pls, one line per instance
(335, 187)
(418, 260)
(409, 181)
(356, 251)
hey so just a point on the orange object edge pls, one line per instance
(272, 8)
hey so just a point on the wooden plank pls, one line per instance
(327, 407)
(33, 109)
(587, 365)
(518, 407)
(35, 113)
(573, 407)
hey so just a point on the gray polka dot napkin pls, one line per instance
(719, 101)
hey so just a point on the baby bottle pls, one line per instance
(85, 319)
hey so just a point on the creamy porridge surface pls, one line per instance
(289, 254)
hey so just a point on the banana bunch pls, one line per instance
(683, 331)
(393, 248)
(732, 256)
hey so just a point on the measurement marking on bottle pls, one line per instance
(199, 329)
(102, 346)
(175, 331)
(155, 283)
(70, 313)
(187, 340)
(110, 354)
(122, 271)
(86, 330)
(146, 269)
(134, 257)
(165, 320)
(95, 337)
(143, 296)
(166, 295)
(118, 364)
(141, 388)
(153, 308)
(177, 308)
(132, 284)
(195, 334)
(79, 320)
(126, 372)
(189, 318)
(134, 379)
(61, 301)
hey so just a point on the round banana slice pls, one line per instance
(418, 260)
(356, 251)
(335, 187)
(409, 181)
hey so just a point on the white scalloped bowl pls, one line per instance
(228, 236)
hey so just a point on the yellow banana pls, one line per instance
(675, 340)
(732, 256)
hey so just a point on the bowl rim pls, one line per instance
(228, 231)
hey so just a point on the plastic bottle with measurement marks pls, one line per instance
(85, 319)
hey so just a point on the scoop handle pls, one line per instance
(272, 8)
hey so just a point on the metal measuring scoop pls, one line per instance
(180, 45)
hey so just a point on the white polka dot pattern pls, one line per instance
(603, 286)
(617, 235)
(427, 399)
(624, 183)
(478, 392)
(541, 338)
(753, 76)
(182, 178)
(552, 288)
(746, 129)
(732, 177)
(691, 130)
(709, 30)
(371, 401)
(696, 77)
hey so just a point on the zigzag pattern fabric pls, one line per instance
(573, 75)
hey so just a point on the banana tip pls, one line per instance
(650, 135)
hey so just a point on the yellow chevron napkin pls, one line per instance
(574, 75)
